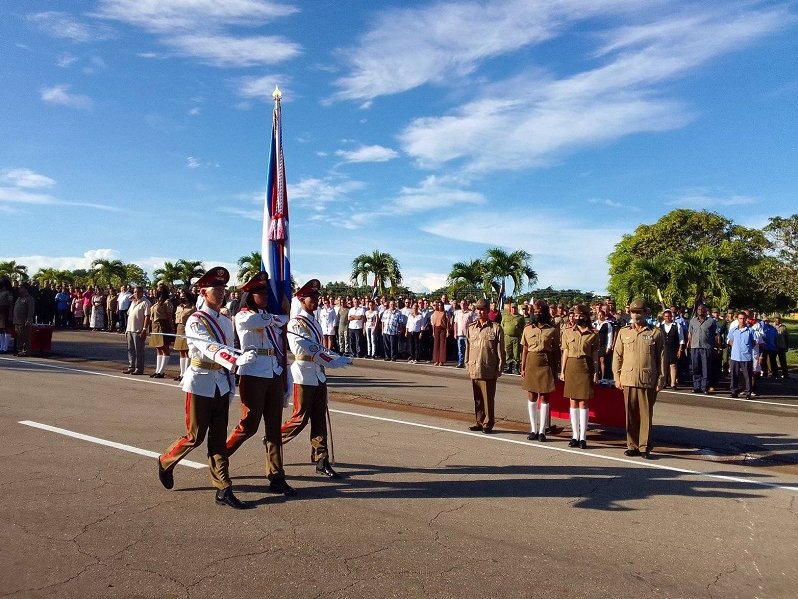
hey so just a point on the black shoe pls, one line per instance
(158, 375)
(532, 437)
(323, 467)
(127, 371)
(178, 378)
(488, 431)
(734, 395)
(696, 390)
(153, 375)
(646, 455)
(583, 444)
(573, 443)
(138, 372)
(630, 453)
(475, 427)
(279, 485)
(226, 497)
(542, 437)
(165, 476)
(263, 440)
(553, 430)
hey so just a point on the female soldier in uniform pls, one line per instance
(162, 322)
(186, 308)
(539, 346)
(579, 362)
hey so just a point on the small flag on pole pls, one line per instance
(275, 252)
(375, 292)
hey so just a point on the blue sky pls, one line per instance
(139, 129)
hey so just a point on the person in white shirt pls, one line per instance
(372, 328)
(414, 332)
(328, 320)
(462, 318)
(123, 303)
(357, 320)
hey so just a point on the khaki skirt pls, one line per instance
(156, 339)
(538, 377)
(180, 343)
(578, 379)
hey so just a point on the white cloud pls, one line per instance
(227, 51)
(315, 191)
(192, 162)
(196, 28)
(196, 111)
(65, 26)
(24, 177)
(432, 194)
(702, 198)
(564, 257)
(368, 154)
(168, 15)
(260, 87)
(410, 47)
(19, 196)
(60, 94)
(610, 203)
(66, 60)
(35, 262)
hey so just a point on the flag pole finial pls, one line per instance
(277, 94)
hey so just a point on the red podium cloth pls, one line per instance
(606, 407)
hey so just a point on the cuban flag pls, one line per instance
(375, 292)
(502, 292)
(275, 254)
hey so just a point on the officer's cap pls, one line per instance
(214, 277)
(312, 287)
(638, 305)
(481, 304)
(259, 282)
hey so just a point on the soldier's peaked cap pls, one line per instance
(638, 305)
(259, 282)
(312, 287)
(214, 277)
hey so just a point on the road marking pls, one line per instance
(581, 453)
(549, 447)
(114, 444)
(717, 395)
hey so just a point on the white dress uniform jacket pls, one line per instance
(310, 356)
(260, 331)
(211, 363)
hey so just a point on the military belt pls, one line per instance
(266, 352)
(197, 363)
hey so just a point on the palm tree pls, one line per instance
(189, 269)
(469, 274)
(12, 270)
(168, 274)
(249, 266)
(648, 279)
(108, 273)
(516, 265)
(381, 265)
(49, 274)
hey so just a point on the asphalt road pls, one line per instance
(425, 507)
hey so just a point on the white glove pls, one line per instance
(248, 357)
(340, 362)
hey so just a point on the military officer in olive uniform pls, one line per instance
(310, 381)
(513, 325)
(209, 384)
(485, 360)
(261, 383)
(639, 371)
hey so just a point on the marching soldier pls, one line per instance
(261, 385)
(307, 370)
(208, 384)
(639, 371)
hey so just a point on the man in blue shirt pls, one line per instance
(741, 341)
(63, 302)
(771, 340)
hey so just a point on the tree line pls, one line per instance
(686, 254)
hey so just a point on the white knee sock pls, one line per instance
(533, 415)
(583, 416)
(574, 423)
(183, 365)
(544, 413)
(164, 361)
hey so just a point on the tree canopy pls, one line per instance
(380, 265)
